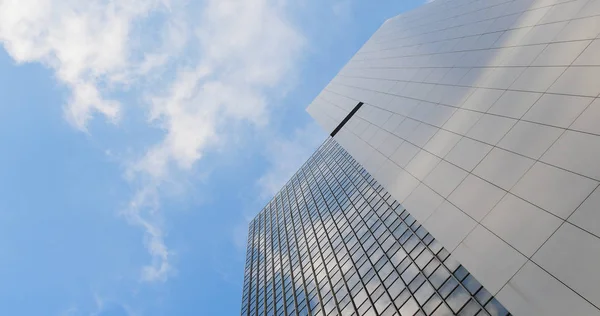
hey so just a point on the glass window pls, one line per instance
(410, 307)
(424, 293)
(433, 303)
(410, 273)
(495, 308)
(471, 309)
(471, 284)
(416, 282)
(448, 287)
(458, 298)
(460, 272)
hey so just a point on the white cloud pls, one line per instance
(287, 155)
(201, 70)
(84, 42)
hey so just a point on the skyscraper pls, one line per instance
(476, 123)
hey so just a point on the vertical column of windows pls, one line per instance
(304, 266)
(281, 250)
(325, 286)
(341, 290)
(313, 289)
(270, 261)
(289, 295)
(255, 270)
(261, 266)
(246, 291)
(303, 302)
(288, 299)
(379, 271)
(362, 298)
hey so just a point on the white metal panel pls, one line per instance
(466, 100)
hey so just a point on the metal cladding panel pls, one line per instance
(481, 119)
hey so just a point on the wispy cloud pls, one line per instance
(106, 307)
(286, 155)
(70, 311)
(200, 70)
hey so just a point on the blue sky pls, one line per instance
(139, 137)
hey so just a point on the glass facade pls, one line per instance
(334, 242)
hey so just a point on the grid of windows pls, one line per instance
(334, 242)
